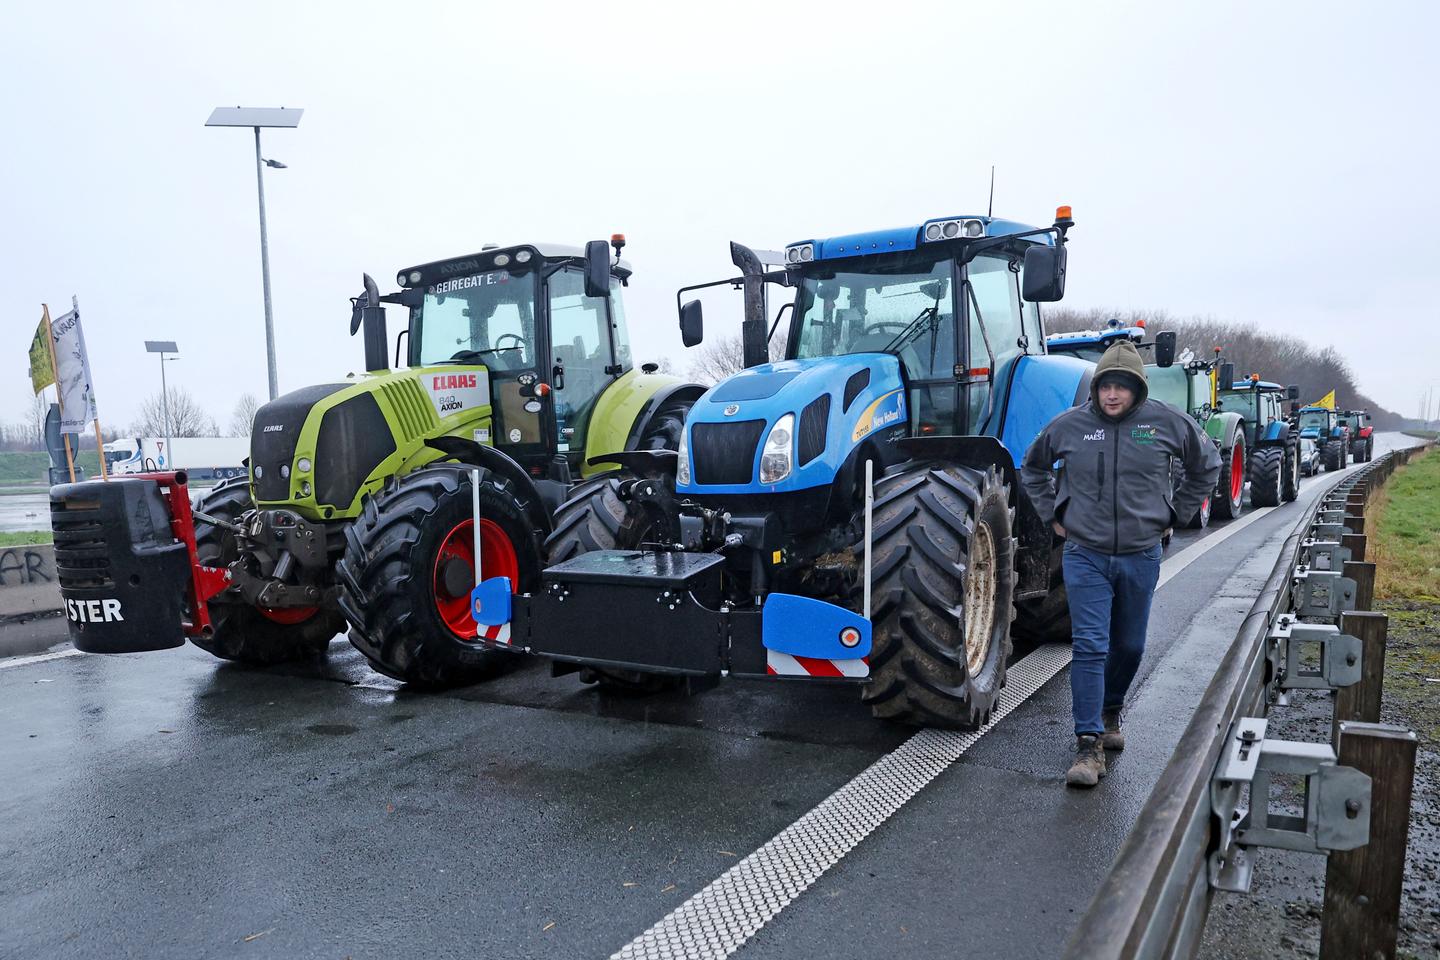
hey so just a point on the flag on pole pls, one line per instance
(42, 368)
(1327, 401)
(77, 396)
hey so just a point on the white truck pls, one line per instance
(203, 458)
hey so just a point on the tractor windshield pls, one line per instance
(1319, 419)
(486, 318)
(904, 308)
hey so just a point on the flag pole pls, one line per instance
(59, 394)
(99, 443)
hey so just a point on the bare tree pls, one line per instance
(242, 420)
(187, 417)
(725, 356)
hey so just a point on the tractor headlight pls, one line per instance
(682, 467)
(776, 458)
(303, 465)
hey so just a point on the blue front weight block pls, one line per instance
(806, 627)
(490, 602)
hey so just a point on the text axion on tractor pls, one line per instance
(850, 512)
(358, 503)
(1274, 467)
(1328, 430)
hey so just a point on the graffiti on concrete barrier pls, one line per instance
(22, 566)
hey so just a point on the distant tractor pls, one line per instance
(1362, 434)
(1274, 468)
(1189, 385)
(916, 356)
(358, 504)
(1330, 433)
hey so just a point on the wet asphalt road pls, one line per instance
(167, 805)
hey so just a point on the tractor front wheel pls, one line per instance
(1290, 475)
(409, 566)
(1267, 485)
(944, 576)
(1334, 455)
(1230, 492)
(242, 632)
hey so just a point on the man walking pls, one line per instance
(1113, 507)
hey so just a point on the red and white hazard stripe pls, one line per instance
(498, 635)
(779, 664)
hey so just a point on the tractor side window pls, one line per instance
(994, 299)
(618, 329)
(580, 341)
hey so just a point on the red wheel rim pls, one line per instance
(288, 615)
(1237, 469)
(497, 559)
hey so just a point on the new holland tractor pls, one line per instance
(358, 503)
(915, 357)
(1325, 426)
(1189, 384)
(1362, 434)
(1273, 470)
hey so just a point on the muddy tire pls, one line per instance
(1047, 619)
(1267, 468)
(408, 566)
(664, 429)
(1290, 475)
(943, 571)
(1230, 488)
(243, 632)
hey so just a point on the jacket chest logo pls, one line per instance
(1143, 434)
(1097, 435)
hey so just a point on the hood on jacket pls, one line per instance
(1122, 358)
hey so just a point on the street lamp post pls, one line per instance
(257, 117)
(163, 347)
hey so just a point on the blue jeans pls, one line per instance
(1109, 611)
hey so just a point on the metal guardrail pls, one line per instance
(1156, 898)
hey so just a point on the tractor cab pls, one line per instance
(1319, 424)
(1260, 402)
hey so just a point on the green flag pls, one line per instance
(42, 368)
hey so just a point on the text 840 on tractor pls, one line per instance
(358, 502)
(916, 355)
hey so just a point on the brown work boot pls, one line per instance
(1113, 738)
(1089, 765)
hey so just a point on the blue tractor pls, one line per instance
(762, 547)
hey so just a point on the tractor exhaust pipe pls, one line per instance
(753, 331)
(367, 311)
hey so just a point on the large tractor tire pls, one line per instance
(665, 427)
(944, 575)
(1333, 455)
(1364, 449)
(1290, 473)
(1230, 489)
(1267, 480)
(409, 565)
(1046, 619)
(243, 632)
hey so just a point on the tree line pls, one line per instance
(187, 418)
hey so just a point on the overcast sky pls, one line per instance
(1271, 163)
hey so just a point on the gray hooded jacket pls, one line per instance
(1112, 491)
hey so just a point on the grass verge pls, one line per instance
(25, 537)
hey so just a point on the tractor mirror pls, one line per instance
(1044, 274)
(1292, 392)
(597, 269)
(1227, 376)
(692, 323)
(1165, 348)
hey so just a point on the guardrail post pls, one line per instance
(1364, 576)
(1361, 916)
(1361, 701)
(1354, 522)
(1355, 543)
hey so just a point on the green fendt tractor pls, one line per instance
(1193, 386)
(1274, 466)
(358, 506)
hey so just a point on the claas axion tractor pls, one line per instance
(358, 506)
(760, 548)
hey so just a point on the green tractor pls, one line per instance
(1273, 470)
(359, 506)
(1192, 385)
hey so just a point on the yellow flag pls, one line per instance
(42, 368)
(1327, 401)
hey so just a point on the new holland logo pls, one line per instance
(732, 409)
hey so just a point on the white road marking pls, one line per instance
(717, 921)
(38, 658)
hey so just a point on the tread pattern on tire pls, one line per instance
(243, 633)
(389, 603)
(924, 521)
(1221, 506)
(1267, 465)
(589, 519)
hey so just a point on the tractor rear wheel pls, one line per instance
(243, 632)
(408, 568)
(1266, 481)
(664, 429)
(944, 576)
(1334, 455)
(1230, 493)
(1290, 475)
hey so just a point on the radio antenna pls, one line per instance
(991, 212)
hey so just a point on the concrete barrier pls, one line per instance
(31, 614)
